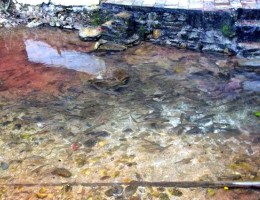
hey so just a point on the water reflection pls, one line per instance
(41, 52)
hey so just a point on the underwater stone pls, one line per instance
(62, 172)
(164, 196)
(252, 85)
(117, 190)
(17, 126)
(109, 46)
(130, 190)
(175, 192)
(253, 63)
(91, 142)
(4, 165)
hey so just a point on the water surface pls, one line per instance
(150, 113)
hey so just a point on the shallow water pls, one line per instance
(151, 113)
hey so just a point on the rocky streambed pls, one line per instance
(69, 114)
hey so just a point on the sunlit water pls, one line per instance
(150, 113)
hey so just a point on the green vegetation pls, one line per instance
(228, 31)
(257, 114)
(95, 18)
(142, 31)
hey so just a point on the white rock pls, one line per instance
(61, 2)
(34, 23)
(90, 33)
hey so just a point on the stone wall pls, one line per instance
(230, 32)
(46, 12)
(191, 29)
(60, 2)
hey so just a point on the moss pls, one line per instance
(257, 113)
(142, 32)
(228, 31)
(95, 18)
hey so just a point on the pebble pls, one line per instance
(175, 192)
(130, 190)
(115, 191)
(91, 142)
(74, 146)
(164, 196)
(62, 172)
(4, 165)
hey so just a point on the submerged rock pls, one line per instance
(91, 142)
(252, 63)
(115, 191)
(62, 172)
(252, 86)
(4, 165)
(130, 190)
(109, 46)
(90, 33)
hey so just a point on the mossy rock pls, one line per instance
(228, 31)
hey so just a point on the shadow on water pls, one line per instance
(150, 113)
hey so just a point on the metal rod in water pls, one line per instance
(183, 184)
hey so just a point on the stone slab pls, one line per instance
(62, 2)
(207, 5)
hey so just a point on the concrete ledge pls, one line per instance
(61, 2)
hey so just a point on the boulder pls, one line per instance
(90, 33)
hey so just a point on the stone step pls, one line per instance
(249, 49)
(248, 30)
(248, 14)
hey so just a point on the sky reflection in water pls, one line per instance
(41, 52)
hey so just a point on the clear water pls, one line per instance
(151, 113)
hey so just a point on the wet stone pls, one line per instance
(115, 191)
(90, 142)
(175, 192)
(4, 165)
(90, 33)
(17, 126)
(127, 130)
(62, 172)
(164, 196)
(130, 190)
(252, 86)
(251, 63)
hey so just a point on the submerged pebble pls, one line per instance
(90, 142)
(4, 165)
(115, 191)
(130, 190)
(62, 172)
(164, 196)
(175, 192)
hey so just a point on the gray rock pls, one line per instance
(254, 63)
(34, 23)
(4, 165)
(62, 172)
(252, 86)
(109, 46)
